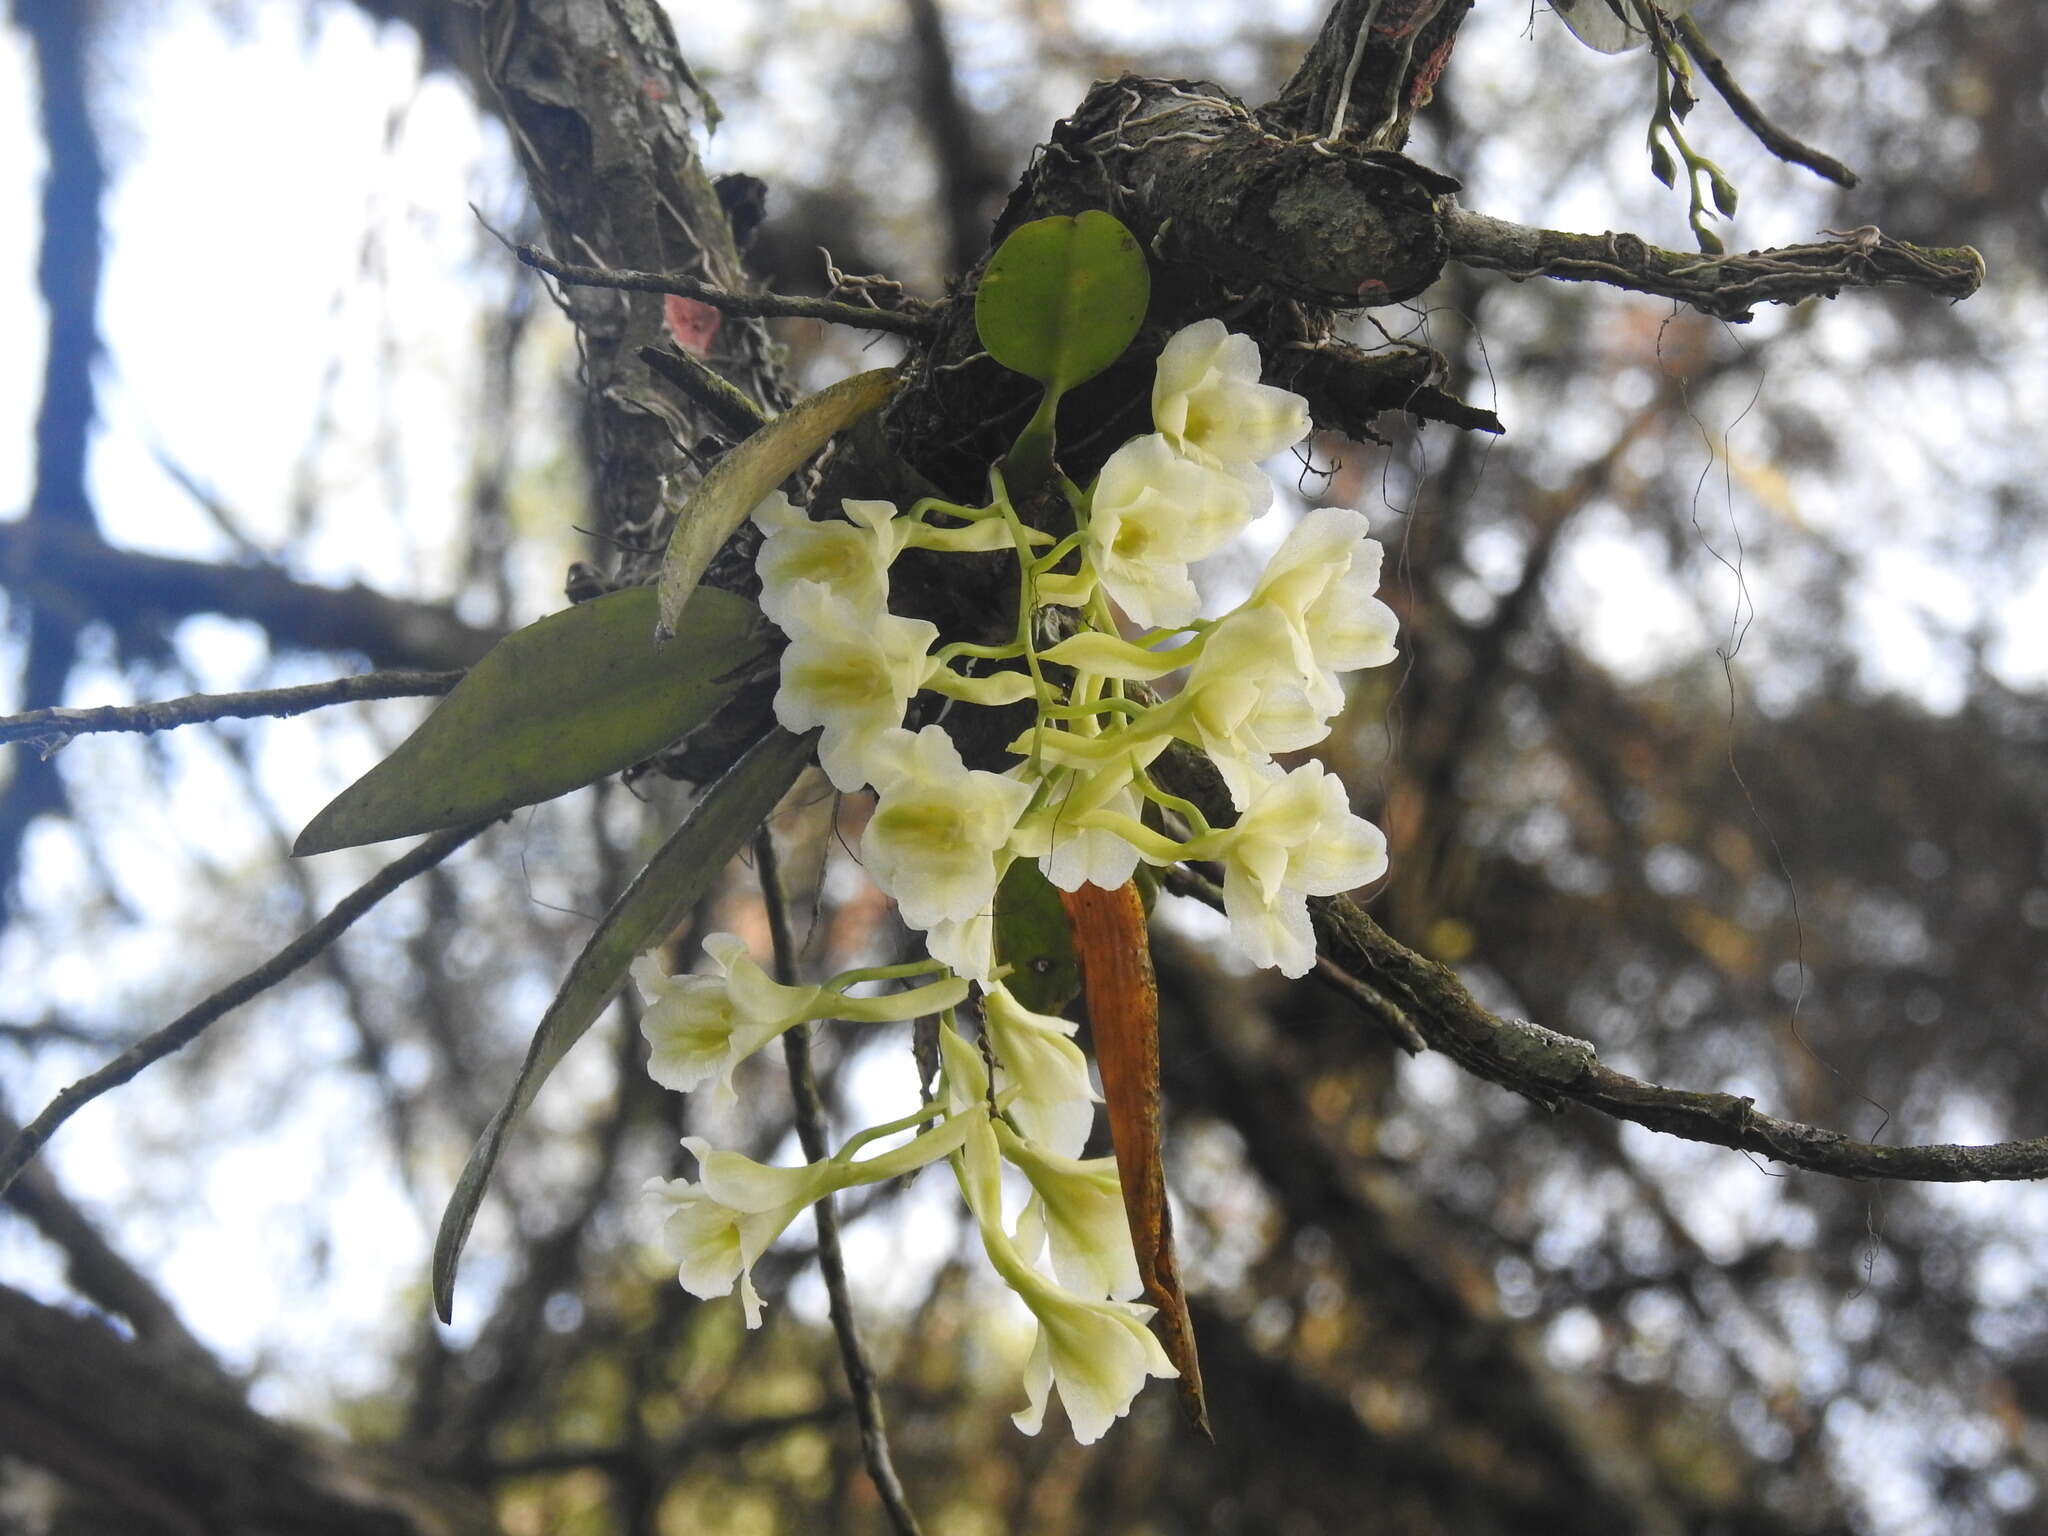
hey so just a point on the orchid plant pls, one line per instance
(1080, 802)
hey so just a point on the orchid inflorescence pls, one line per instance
(1261, 680)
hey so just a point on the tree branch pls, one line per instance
(155, 1450)
(714, 1436)
(1749, 114)
(729, 406)
(810, 1130)
(965, 182)
(98, 1272)
(600, 105)
(51, 729)
(1726, 287)
(1553, 1069)
(189, 1025)
(126, 590)
(756, 305)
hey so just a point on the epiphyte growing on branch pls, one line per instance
(1079, 802)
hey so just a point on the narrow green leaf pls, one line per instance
(1062, 298)
(1034, 937)
(660, 897)
(737, 482)
(550, 708)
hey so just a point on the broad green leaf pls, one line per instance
(1034, 938)
(1062, 298)
(659, 898)
(737, 482)
(550, 708)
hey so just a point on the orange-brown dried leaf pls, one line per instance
(1123, 1012)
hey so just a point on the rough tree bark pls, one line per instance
(161, 1449)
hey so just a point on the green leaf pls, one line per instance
(738, 481)
(659, 898)
(1034, 937)
(550, 708)
(1062, 298)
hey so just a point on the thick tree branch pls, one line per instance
(51, 729)
(1372, 67)
(68, 267)
(810, 1130)
(759, 305)
(965, 183)
(155, 1450)
(188, 1026)
(1726, 287)
(98, 1272)
(126, 590)
(599, 103)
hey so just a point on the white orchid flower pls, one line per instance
(1247, 698)
(850, 558)
(1297, 838)
(1041, 1075)
(1098, 1354)
(938, 827)
(1081, 855)
(1153, 510)
(718, 1225)
(699, 1028)
(966, 945)
(1208, 402)
(1252, 690)
(1071, 853)
(715, 1240)
(1079, 1205)
(1323, 579)
(851, 671)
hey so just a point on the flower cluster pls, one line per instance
(1254, 683)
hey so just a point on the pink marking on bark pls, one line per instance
(692, 323)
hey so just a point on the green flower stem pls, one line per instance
(876, 1132)
(1044, 564)
(1187, 810)
(1090, 750)
(847, 979)
(1088, 711)
(1026, 602)
(945, 655)
(1155, 847)
(918, 510)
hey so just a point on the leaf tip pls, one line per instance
(318, 837)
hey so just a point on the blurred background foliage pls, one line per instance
(1717, 739)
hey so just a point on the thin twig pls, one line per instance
(1554, 1069)
(1768, 133)
(54, 727)
(726, 401)
(760, 305)
(188, 1026)
(1382, 1010)
(709, 1438)
(810, 1130)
